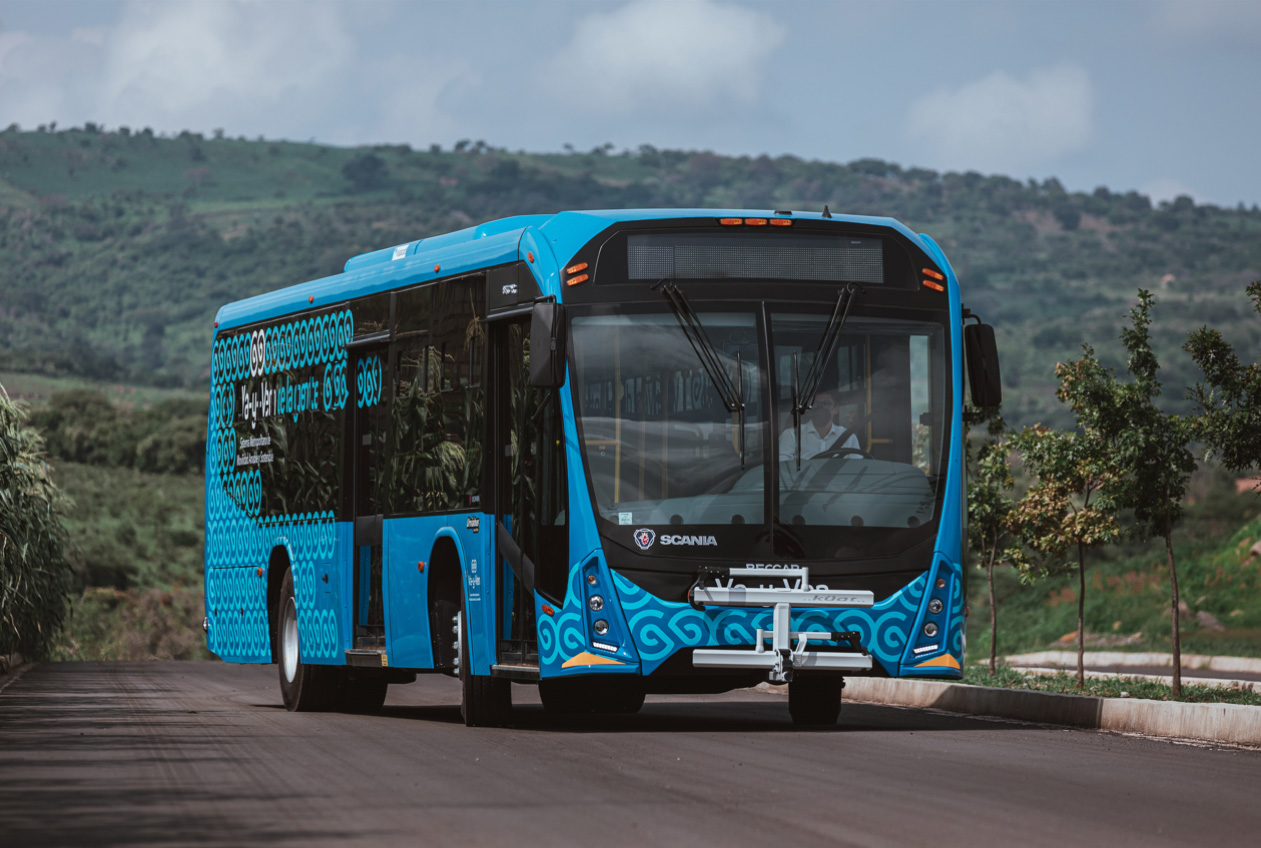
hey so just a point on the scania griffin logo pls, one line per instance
(644, 538)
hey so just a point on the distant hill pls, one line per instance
(119, 246)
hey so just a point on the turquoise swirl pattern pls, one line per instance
(239, 540)
(562, 635)
(660, 628)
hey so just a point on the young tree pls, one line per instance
(34, 573)
(1230, 397)
(1148, 448)
(1071, 507)
(989, 514)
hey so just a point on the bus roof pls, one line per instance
(544, 241)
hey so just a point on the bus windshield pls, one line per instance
(664, 455)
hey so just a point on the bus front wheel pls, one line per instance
(305, 688)
(814, 700)
(484, 701)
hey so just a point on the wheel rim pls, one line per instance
(458, 623)
(289, 641)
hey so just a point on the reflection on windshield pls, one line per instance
(662, 450)
(871, 445)
(660, 446)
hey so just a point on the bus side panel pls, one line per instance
(942, 655)
(409, 545)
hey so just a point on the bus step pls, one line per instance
(367, 658)
(515, 671)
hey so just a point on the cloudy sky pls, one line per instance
(1163, 97)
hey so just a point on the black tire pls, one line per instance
(627, 702)
(564, 697)
(362, 696)
(304, 688)
(814, 700)
(607, 696)
(484, 701)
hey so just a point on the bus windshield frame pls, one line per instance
(673, 430)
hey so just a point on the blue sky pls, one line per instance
(1162, 97)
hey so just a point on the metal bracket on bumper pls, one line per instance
(788, 648)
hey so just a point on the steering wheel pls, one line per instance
(834, 452)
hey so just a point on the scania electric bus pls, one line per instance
(607, 453)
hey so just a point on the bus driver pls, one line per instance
(819, 432)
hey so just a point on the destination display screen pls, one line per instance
(817, 257)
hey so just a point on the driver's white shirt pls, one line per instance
(811, 442)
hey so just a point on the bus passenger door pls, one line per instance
(365, 472)
(530, 491)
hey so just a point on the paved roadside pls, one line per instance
(1232, 724)
(196, 754)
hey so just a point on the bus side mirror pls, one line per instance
(547, 346)
(983, 374)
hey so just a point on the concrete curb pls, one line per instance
(1188, 679)
(1232, 724)
(1122, 659)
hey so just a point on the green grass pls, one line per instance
(1127, 595)
(35, 389)
(138, 558)
(1065, 683)
(133, 529)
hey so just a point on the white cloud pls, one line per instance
(655, 54)
(278, 69)
(193, 64)
(999, 123)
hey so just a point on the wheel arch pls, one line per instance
(278, 562)
(445, 584)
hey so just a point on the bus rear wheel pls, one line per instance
(304, 688)
(484, 701)
(814, 700)
(358, 695)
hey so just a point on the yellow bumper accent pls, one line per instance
(587, 658)
(943, 661)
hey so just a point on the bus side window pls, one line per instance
(415, 431)
(458, 338)
(372, 315)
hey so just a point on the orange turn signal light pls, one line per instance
(547, 608)
(755, 222)
(935, 286)
(573, 281)
(529, 254)
(731, 222)
(260, 572)
(574, 269)
(437, 268)
(781, 222)
(420, 566)
(929, 272)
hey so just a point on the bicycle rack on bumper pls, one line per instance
(788, 647)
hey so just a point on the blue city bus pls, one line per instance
(607, 453)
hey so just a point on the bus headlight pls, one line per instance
(935, 605)
(601, 627)
(596, 603)
(930, 630)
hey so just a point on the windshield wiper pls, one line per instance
(805, 392)
(730, 393)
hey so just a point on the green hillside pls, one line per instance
(119, 246)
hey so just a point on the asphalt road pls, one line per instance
(184, 753)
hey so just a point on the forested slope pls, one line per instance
(119, 246)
